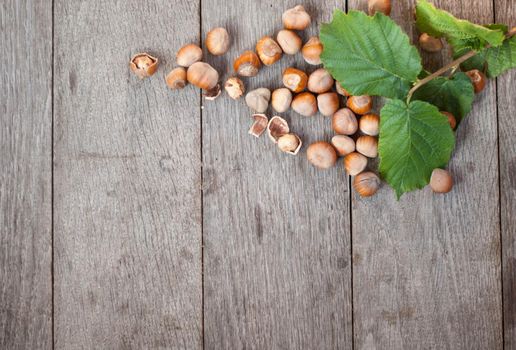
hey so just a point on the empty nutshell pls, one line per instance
(258, 99)
(259, 125)
(212, 93)
(276, 128)
(143, 65)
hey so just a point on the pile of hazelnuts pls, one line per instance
(356, 127)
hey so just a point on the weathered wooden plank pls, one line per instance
(276, 231)
(25, 175)
(506, 88)
(127, 180)
(427, 268)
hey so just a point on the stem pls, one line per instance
(441, 71)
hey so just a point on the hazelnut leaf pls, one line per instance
(414, 140)
(369, 55)
(454, 95)
(457, 32)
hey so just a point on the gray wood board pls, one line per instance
(505, 11)
(276, 230)
(25, 175)
(127, 239)
(426, 269)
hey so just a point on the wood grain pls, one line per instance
(127, 180)
(426, 270)
(276, 230)
(505, 10)
(25, 175)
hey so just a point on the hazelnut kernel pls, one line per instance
(289, 143)
(441, 181)
(258, 99)
(234, 87)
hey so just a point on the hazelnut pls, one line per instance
(258, 99)
(290, 143)
(276, 128)
(234, 87)
(322, 155)
(366, 183)
(429, 43)
(383, 6)
(328, 103)
(343, 144)
(268, 50)
(295, 79)
(247, 64)
(176, 79)
(202, 75)
(341, 90)
(312, 51)
(369, 124)
(259, 125)
(188, 55)
(296, 18)
(344, 122)
(217, 41)
(305, 104)
(320, 81)
(360, 104)
(143, 65)
(281, 99)
(441, 181)
(355, 163)
(367, 145)
(212, 93)
(478, 79)
(451, 119)
(289, 41)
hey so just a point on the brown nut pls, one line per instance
(143, 65)
(188, 55)
(281, 100)
(176, 79)
(383, 6)
(366, 183)
(344, 122)
(258, 99)
(234, 87)
(305, 104)
(441, 181)
(259, 125)
(355, 163)
(369, 124)
(322, 155)
(213, 93)
(296, 18)
(343, 144)
(290, 143)
(478, 79)
(217, 41)
(451, 119)
(247, 64)
(312, 51)
(429, 43)
(294, 79)
(320, 81)
(268, 50)
(276, 128)
(360, 104)
(202, 75)
(328, 103)
(368, 146)
(289, 41)
(341, 90)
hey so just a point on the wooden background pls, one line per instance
(134, 217)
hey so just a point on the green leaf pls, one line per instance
(454, 95)
(414, 140)
(459, 33)
(493, 60)
(369, 55)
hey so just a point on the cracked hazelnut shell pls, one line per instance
(276, 128)
(259, 125)
(234, 87)
(143, 65)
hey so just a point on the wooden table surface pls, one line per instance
(134, 217)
